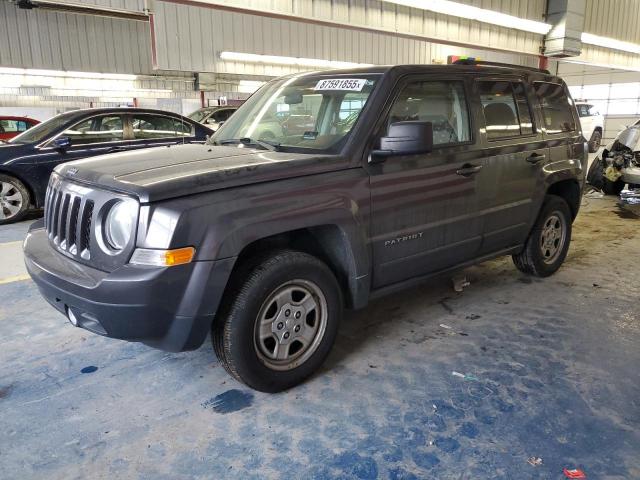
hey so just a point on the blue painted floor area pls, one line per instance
(17, 231)
(544, 368)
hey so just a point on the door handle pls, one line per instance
(467, 170)
(535, 158)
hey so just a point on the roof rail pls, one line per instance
(469, 61)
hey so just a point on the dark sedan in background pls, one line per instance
(27, 160)
(212, 117)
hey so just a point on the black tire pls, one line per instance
(595, 174)
(612, 188)
(594, 141)
(234, 335)
(531, 259)
(13, 194)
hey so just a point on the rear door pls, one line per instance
(425, 206)
(155, 130)
(515, 153)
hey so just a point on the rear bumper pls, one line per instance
(170, 308)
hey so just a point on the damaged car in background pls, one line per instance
(619, 166)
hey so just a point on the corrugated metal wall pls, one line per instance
(613, 18)
(61, 41)
(136, 5)
(191, 38)
(617, 19)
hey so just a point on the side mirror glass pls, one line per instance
(62, 143)
(405, 138)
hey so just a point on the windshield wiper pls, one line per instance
(272, 146)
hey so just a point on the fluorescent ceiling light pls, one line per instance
(59, 73)
(607, 42)
(292, 61)
(470, 12)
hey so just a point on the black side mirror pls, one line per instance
(62, 143)
(405, 138)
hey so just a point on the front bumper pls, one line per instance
(631, 175)
(170, 308)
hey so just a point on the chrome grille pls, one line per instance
(68, 215)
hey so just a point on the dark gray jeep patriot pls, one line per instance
(383, 176)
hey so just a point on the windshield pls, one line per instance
(198, 115)
(41, 131)
(306, 112)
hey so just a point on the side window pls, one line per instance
(107, 128)
(440, 102)
(21, 126)
(592, 110)
(583, 110)
(506, 110)
(222, 115)
(556, 108)
(156, 126)
(8, 126)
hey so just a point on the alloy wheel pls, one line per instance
(10, 200)
(290, 325)
(552, 237)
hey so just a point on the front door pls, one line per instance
(424, 206)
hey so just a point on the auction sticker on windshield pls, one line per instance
(350, 84)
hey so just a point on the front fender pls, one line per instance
(221, 224)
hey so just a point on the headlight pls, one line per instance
(118, 224)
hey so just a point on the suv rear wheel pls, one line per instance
(14, 199)
(548, 242)
(280, 322)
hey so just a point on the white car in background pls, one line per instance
(592, 123)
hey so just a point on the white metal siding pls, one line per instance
(191, 38)
(613, 18)
(62, 41)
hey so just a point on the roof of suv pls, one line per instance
(479, 67)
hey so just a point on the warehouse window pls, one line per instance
(441, 103)
(505, 108)
(556, 107)
(96, 130)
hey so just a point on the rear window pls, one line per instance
(506, 109)
(556, 107)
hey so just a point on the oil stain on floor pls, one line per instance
(230, 401)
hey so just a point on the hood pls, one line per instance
(630, 138)
(161, 173)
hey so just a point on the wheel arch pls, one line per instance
(569, 190)
(329, 242)
(34, 198)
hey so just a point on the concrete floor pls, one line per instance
(550, 370)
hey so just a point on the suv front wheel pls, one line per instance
(280, 322)
(548, 242)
